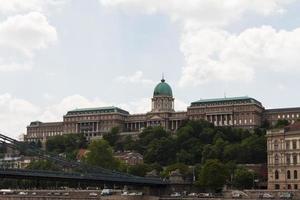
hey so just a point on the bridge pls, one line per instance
(81, 172)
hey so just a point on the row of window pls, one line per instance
(288, 159)
(288, 116)
(288, 174)
(289, 144)
(289, 187)
(44, 134)
(239, 122)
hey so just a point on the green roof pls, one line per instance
(227, 99)
(110, 109)
(163, 89)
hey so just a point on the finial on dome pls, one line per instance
(163, 78)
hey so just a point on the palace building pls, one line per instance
(240, 112)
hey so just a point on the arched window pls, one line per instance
(295, 174)
(276, 174)
(288, 174)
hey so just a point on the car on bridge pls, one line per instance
(7, 191)
(93, 194)
(286, 195)
(175, 194)
(106, 192)
(266, 196)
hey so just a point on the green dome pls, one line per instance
(163, 88)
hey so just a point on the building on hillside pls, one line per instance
(283, 147)
(130, 157)
(290, 114)
(39, 131)
(81, 154)
(240, 112)
(17, 162)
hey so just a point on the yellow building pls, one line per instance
(283, 147)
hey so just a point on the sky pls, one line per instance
(57, 55)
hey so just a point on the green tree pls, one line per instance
(43, 165)
(213, 175)
(139, 169)
(101, 154)
(129, 143)
(148, 135)
(253, 150)
(232, 152)
(68, 144)
(183, 169)
(281, 123)
(113, 136)
(243, 178)
(162, 151)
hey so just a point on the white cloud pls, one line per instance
(15, 114)
(218, 55)
(204, 12)
(180, 105)
(211, 52)
(56, 111)
(137, 77)
(20, 6)
(20, 37)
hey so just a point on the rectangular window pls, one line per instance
(288, 159)
(294, 159)
(294, 144)
(296, 187)
(287, 145)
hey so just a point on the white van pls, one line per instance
(106, 192)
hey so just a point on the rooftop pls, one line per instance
(110, 109)
(227, 99)
(39, 123)
(291, 109)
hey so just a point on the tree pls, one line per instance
(43, 165)
(183, 169)
(148, 135)
(253, 150)
(243, 178)
(213, 175)
(139, 169)
(281, 123)
(68, 144)
(162, 151)
(232, 152)
(101, 154)
(113, 136)
(129, 143)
